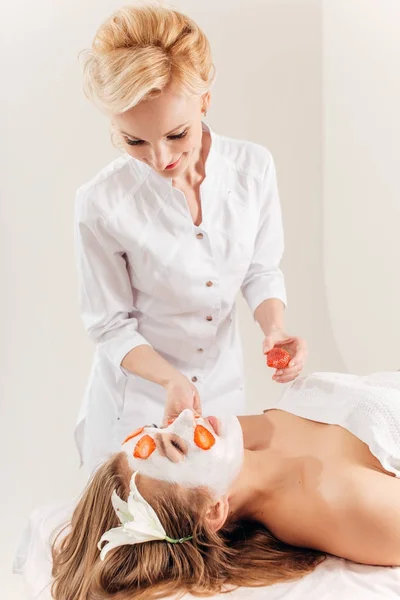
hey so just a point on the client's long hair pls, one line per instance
(240, 554)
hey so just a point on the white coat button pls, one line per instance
(200, 350)
(194, 379)
(199, 236)
(209, 283)
(209, 318)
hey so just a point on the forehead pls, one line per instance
(152, 119)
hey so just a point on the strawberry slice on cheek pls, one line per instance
(145, 447)
(203, 438)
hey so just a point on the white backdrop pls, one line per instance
(361, 208)
(314, 82)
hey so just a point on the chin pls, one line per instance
(165, 174)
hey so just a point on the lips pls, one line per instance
(215, 424)
(173, 165)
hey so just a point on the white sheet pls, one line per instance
(335, 579)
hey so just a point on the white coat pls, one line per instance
(148, 275)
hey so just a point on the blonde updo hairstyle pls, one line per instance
(139, 51)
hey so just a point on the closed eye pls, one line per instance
(178, 446)
(171, 446)
(134, 142)
(178, 136)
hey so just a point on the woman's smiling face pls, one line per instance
(191, 451)
(164, 132)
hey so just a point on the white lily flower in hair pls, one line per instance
(139, 522)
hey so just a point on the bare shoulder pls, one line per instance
(363, 518)
(371, 514)
(354, 514)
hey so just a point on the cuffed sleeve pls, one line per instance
(264, 279)
(105, 288)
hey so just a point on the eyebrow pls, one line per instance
(165, 135)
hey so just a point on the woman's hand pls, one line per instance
(297, 349)
(181, 394)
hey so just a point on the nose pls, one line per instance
(159, 158)
(185, 419)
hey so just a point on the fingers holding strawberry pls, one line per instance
(285, 354)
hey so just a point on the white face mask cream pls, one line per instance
(189, 452)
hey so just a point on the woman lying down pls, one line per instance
(206, 504)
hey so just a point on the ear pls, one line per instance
(218, 513)
(206, 98)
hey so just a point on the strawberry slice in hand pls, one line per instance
(203, 438)
(278, 358)
(145, 447)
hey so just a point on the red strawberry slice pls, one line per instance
(203, 438)
(133, 434)
(145, 447)
(278, 358)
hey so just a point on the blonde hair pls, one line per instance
(240, 554)
(141, 49)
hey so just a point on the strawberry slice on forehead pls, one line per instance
(133, 434)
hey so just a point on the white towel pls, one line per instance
(367, 406)
(33, 557)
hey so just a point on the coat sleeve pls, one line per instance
(264, 279)
(106, 296)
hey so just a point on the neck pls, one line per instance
(196, 171)
(261, 475)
